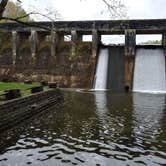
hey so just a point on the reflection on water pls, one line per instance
(148, 112)
(92, 128)
(101, 102)
(147, 118)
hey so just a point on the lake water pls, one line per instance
(91, 129)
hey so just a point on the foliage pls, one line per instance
(115, 8)
(157, 42)
(3, 4)
(15, 10)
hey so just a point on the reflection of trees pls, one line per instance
(93, 123)
(76, 119)
(80, 117)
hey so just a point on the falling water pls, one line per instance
(100, 81)
(149, 74)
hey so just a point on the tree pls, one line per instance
(153, 42)
(115, 7)
(15, 11)
(3, 4)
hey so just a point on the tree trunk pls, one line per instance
(3, 4)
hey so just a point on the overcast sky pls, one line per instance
(91, 9)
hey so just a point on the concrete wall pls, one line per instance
(37, 51)
(116, 68)
(19, 61)
(17, 110)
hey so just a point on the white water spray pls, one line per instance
(100, 81)
(149, 74)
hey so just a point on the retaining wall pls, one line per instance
(17, 110)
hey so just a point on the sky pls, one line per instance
(91, 10)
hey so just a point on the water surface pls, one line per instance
(92, 128)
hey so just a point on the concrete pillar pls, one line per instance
(14, 46)
(96, 39)
(33, 45)
(75, 39)
(53, 43)
(59, 41)
(164, 41)
(130, 44)
(59, 37)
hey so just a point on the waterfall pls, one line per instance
(100, 80)
(149, 74)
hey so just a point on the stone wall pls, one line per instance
(74, 71)
(37, 51)
(17, 110)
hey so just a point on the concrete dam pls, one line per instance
(148, 73)
(39, 51)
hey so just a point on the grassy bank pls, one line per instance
(6, 86)
(25, 88)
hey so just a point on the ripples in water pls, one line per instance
(94, 128)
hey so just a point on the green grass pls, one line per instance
(22, 86)
(25, 88)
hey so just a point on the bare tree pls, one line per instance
(114, 7)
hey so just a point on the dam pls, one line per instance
(39, 51)
(92, 127)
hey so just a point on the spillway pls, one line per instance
(100, 79)
(149, 73)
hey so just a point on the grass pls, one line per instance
(25, 88)
(6, 86)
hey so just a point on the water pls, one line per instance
(149, 74)
(92, 128)
(100, 82)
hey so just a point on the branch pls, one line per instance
(26, 23)
(115, 7)
(18, 20)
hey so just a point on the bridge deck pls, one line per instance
(147, 26)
